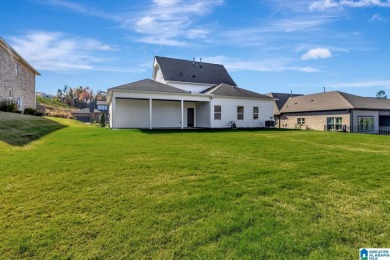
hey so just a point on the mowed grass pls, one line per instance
(86, 192)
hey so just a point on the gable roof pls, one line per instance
(11, 51)
(281, 99)
(334, 100)
(233, 91)
(194, 72)
(149, 85)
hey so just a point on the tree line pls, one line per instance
(79, 97)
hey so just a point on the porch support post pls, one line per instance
(150, 113)
(182, 114)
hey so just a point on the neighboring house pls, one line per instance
(84, 115)
(17, 78)
(280, 100)
(102, 106)
(185, 94)
(336, 111)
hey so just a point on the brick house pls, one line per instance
(334, 111)
(17, 78)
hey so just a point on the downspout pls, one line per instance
(351, 121)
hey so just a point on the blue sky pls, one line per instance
(267, 46)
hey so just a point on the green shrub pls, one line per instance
(32, 112)
(103, 120)
(8, 106)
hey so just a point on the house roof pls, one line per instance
(233, 91)
(84, 111)
(149, 85)
(194, 72)
(10, 50)
(334, 100)
(101, 102)
(281, 99)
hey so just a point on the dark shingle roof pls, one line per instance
(233, 91)
(185, 71)
(84, 111)
(334, 100)
(149, 85)
(281, 100)
(366, 102)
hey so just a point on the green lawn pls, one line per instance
(85, 192)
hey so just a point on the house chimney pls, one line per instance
(200, 63)
(291, 94)
(193, 61)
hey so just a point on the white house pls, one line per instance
(184, 94)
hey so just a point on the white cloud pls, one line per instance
(172, 22)
(377, 18)
(268, 65)
(317, 53)
(361, 84)
(57, 51)
(327, 4)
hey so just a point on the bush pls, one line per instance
(32, 112)
(8, 106)
(102, 120)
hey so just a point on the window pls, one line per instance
(366, 123)
(334, 124)
(300, 120)
(217, 113)
(255, 113)
(102, 107)
(16, 69)
(240, 113)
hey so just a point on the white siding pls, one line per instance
(229, 112)
(131, 113)
(159, 76)
(194, 88)
(166, 114)
(203, 114)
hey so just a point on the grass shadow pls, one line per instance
(211, 130)
(20, 130)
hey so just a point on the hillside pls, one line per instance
(54, 108)
(19, 130)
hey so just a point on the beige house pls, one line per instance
(334, 111)
(17, 78)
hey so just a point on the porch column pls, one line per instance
(182, 114)
(150, 113)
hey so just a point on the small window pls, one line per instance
(16, 68)
(217, 112)
(255, 113)
(10, 94)
(102, 107)
(301, 121)
(240, 113)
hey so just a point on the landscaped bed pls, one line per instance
(86, 192)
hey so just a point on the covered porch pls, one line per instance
(156, 112)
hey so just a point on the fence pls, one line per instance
(384, 130)
(336, 128)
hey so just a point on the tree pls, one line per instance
(381, 94)
(102, 120)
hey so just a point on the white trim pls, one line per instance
(150, 114)
(182, 114)
(188, 82)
